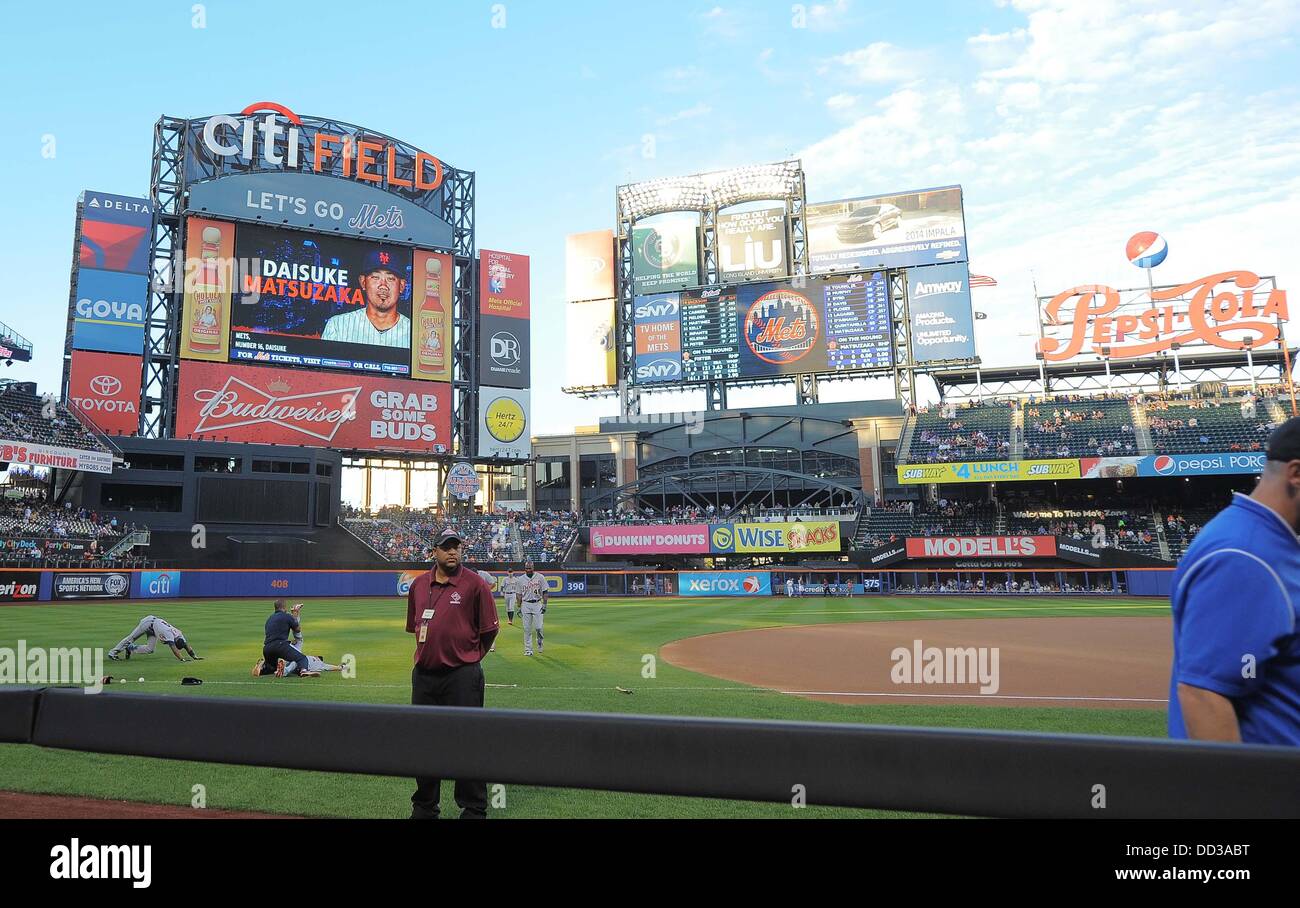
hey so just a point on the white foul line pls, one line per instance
(855, 693)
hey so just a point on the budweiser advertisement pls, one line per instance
(320, 409)
(981, 546)
(105, 387)
(675, 539)
(1229, 310)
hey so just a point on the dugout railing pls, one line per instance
(930, 770)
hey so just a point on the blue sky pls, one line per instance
(1070, 126)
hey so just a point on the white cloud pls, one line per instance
(841, 102)
(879, 61)
(825, 17)
(699, 110)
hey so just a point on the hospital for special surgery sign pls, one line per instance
(1229, 310)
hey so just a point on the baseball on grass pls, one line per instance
(139, 679)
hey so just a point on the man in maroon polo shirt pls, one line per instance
(454, 618)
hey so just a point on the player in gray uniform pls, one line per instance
(532, 587)
(154, 629)
(510, 586)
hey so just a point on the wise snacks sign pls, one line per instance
(1229, 310)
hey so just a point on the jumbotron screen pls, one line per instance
(765, 329)
(310, 299)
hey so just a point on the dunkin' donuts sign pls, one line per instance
(1229, 310)
(296, 407)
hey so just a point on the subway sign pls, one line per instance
(989, 471)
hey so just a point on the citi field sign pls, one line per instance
(1228, 310)
(269, 136)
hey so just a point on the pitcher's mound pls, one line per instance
(1116, 663)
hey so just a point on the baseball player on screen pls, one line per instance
(383, 282)
(532, 587)
(155, 629)
(510, 586)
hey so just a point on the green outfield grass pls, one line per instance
(592, 647)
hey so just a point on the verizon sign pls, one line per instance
(982, 546)
(293, 407)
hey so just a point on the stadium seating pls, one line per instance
(35, 533)
(977, 431)
(1187, 426)
(881, 525)
(1087, 427)
(400, 534)
(22, 418)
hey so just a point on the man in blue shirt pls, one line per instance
(1236, 668)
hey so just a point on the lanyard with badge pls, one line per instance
(426, 617)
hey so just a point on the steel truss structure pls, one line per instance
(175, 167)
(1095, 375)
(741, 486)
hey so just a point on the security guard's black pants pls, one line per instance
(460, 686)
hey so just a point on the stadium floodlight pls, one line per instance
(717, 189)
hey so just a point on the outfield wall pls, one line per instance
(19, 585)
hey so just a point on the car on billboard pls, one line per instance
(869, 222)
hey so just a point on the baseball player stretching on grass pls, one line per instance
(155, 629)
(532, 586)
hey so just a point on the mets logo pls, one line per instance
(1164, 465)
(781, 326)
(723, 539)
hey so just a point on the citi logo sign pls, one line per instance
(505, 349)
(659, 370)
(924, 289)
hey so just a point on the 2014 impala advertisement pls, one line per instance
(293, 407)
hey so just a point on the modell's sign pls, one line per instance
(1231, 310)
(295, 407)
(268, 136)
(981, 546)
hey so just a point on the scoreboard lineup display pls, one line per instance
(769, 329)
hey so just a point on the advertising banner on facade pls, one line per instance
(666, 256)
(892, 231)
(1227, 463)
(589, 266)
(91, 586)
(319, 409)
(658, 338)
(989, 471)
(109, 311)
(943, 325)
(431, 303)
(158, 585)
(591, 346)
(751, 245)
(320, 203)
(668, 539)
(503, 425)
(114, 232)
(504, 285)
(19, 586)
(209, 283)
(105, 387)
(720, 583)
(51, 456)
(797, 536)
(504, 355)
(982, 547)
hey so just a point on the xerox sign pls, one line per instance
(735, 583)
(297, 407)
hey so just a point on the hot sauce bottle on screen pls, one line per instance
(205, 329)
(433, 350)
